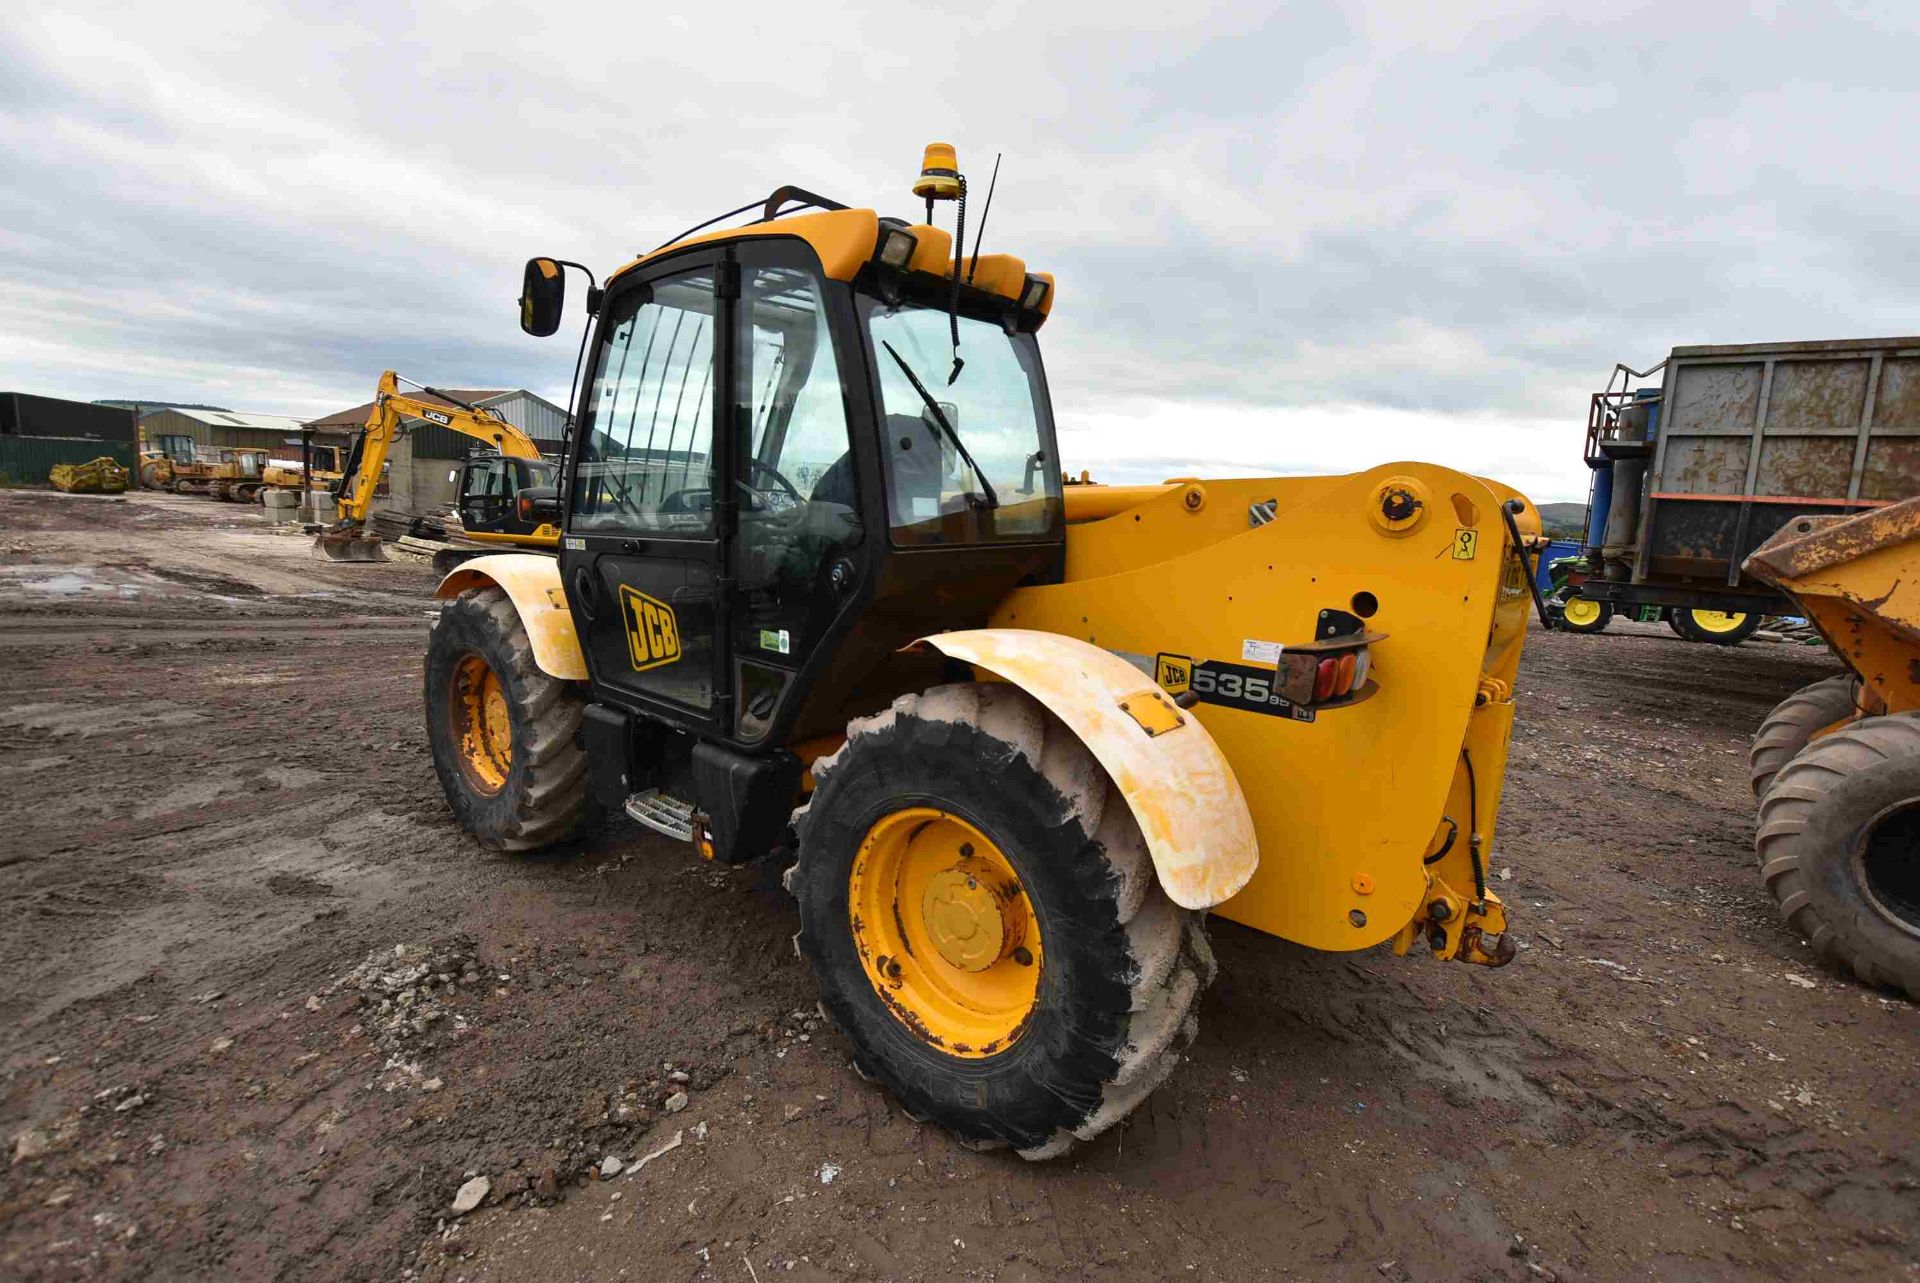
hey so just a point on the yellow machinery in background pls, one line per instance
(97, 476)
(237, 478)
(290, 474)
(821, 596)
(1836, 767)
(507, 521)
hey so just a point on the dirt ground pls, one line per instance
(266, 1010)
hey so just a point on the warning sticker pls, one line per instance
(1260, 652)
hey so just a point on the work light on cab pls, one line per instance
(895, 245)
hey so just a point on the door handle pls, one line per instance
(633, 547)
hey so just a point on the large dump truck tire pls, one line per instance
(1793, 723)
(1839, 846)
(972, 806)
(505, 736)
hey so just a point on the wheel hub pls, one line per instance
(945, 932)
(967, 917)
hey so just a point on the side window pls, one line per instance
(478, 480)
(647, 450)
(798, 506)
(797, 417)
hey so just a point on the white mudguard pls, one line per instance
(1173, 775)
(532, 583)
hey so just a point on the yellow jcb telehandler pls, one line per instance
(1836, 767)
(821, 596)
(504, 513)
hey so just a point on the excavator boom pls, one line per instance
(349, 539)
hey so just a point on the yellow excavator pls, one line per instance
(501, 509)
(822, 597)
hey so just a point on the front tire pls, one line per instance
(505, 736)
(1839, 846)
(1585, 615)
(974, 800)
(1793, 723)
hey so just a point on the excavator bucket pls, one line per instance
(348, 545)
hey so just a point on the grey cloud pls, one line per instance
(1353, 206)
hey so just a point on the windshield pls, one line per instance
(998, 411)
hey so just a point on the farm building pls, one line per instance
(38, 432)
(174, 430)
(419, 469)
(25, 415)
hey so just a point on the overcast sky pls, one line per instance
(1290, 238)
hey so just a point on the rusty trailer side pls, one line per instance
(1745, 439)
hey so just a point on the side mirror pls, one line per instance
(543, 294)
(539, 503)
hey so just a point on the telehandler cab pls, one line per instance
(822, 594)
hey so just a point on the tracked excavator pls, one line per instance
(499, 493)
(822, 597)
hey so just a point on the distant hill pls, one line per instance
(163, 405)
(1564, 518)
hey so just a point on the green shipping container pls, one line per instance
(26, 461)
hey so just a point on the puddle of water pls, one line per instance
(72, 585)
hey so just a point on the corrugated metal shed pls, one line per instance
(221, 427)
(540, 419)
(534, 415)
(26, 415)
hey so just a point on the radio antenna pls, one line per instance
(985, 210)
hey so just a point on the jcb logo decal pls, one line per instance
(1174, 673)
(653, 635)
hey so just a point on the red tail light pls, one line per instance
(1323, 678)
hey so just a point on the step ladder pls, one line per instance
(663, 813)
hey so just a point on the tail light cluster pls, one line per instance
(1327, 672)
(1336, 677)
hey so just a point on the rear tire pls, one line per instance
(1839, 846)
(505, 736)
(1793, 723)
(1716, 627)
(1120, 966)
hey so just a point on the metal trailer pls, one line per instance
(1733, 444)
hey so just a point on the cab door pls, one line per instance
(796, 555)
(484, 494)
(642, 558)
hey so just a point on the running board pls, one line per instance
(663, 813)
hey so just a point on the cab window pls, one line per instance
(647, 445)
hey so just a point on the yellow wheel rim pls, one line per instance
(946, 933)
(1717, 621)
(482, 726)
(1581, 611)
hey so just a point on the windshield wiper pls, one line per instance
(940, 417)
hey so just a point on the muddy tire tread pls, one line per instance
(1790, 727)
(551, 804)
(1784, 849)
(1159, 951)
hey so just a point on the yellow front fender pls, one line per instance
(1174, 777)
(532, 582)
